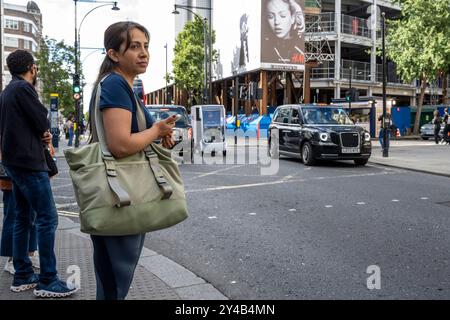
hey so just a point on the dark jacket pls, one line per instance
(23, 122)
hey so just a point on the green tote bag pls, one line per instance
(137, 194)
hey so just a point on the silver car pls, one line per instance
(182, 133)
(427, 131)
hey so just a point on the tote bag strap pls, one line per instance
(110, 162)
(152, 157)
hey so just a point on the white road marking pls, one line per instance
(252, 214)
(395, 200)
(424, 198)
(62, 186)
(329, 206)
(283, 180)
(213, 217)
(292, 210)
(68, 214)
(66, 205)
(361, 203)
(215, 172)
(64, 197)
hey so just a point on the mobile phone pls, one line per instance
(177, 117)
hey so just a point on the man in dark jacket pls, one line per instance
(23, 129)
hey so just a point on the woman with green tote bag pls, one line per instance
(126, 43)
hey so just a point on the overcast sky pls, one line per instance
(59, 17)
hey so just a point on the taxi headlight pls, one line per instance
(324, 137)
(367, 137)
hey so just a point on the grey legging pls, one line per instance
(115, 260)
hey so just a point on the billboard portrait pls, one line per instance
(282, 34)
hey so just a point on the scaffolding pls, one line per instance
(318, 48)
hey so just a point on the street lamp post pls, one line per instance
(165, 47)
(351, 92)
(384, 124)
(207, 81)
(77, 96)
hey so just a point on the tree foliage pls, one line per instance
(56, 68)
(419, 42)
(188, 64)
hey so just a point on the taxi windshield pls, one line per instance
(332, 116)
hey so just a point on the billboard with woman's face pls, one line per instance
(282, 34)
(258, 34)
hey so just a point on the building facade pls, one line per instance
(21, 29)
(341, 42)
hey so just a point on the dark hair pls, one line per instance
(19, 62)
(115, 35)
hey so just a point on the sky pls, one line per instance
(58, 23)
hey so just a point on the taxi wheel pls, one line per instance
(272, 151)
(308, 154)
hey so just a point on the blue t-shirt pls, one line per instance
(116, 93)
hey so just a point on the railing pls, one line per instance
(326, 22)
(391, 73)
(360, 71)
(325, 71)
(355, 26)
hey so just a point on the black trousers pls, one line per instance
(115, 260)
(436, 135)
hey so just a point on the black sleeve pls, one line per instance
(33, 110)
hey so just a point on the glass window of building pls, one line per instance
(26, 44)
(33, 29)
(33, 47)
(26, 27)
(11, 42)
(11, 24)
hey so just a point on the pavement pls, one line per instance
(414, 155)
(156, 276)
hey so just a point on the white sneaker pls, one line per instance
(35, 260)
(9, 267)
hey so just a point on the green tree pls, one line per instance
(189, 68)
(56, 68)
(419, 43)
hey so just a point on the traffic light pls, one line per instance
(76, 87)
(352, 95)
(347, 96)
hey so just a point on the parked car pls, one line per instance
(427, 131)
(313, 132)
(182, 133)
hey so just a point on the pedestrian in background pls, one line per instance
(69, 125)
(437, 126)
(6, 243)
(388, 123)
(24, 127)
(445, 137)
(126, 43)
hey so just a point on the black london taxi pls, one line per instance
(313, 132)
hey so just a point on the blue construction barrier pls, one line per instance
(401, 118)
